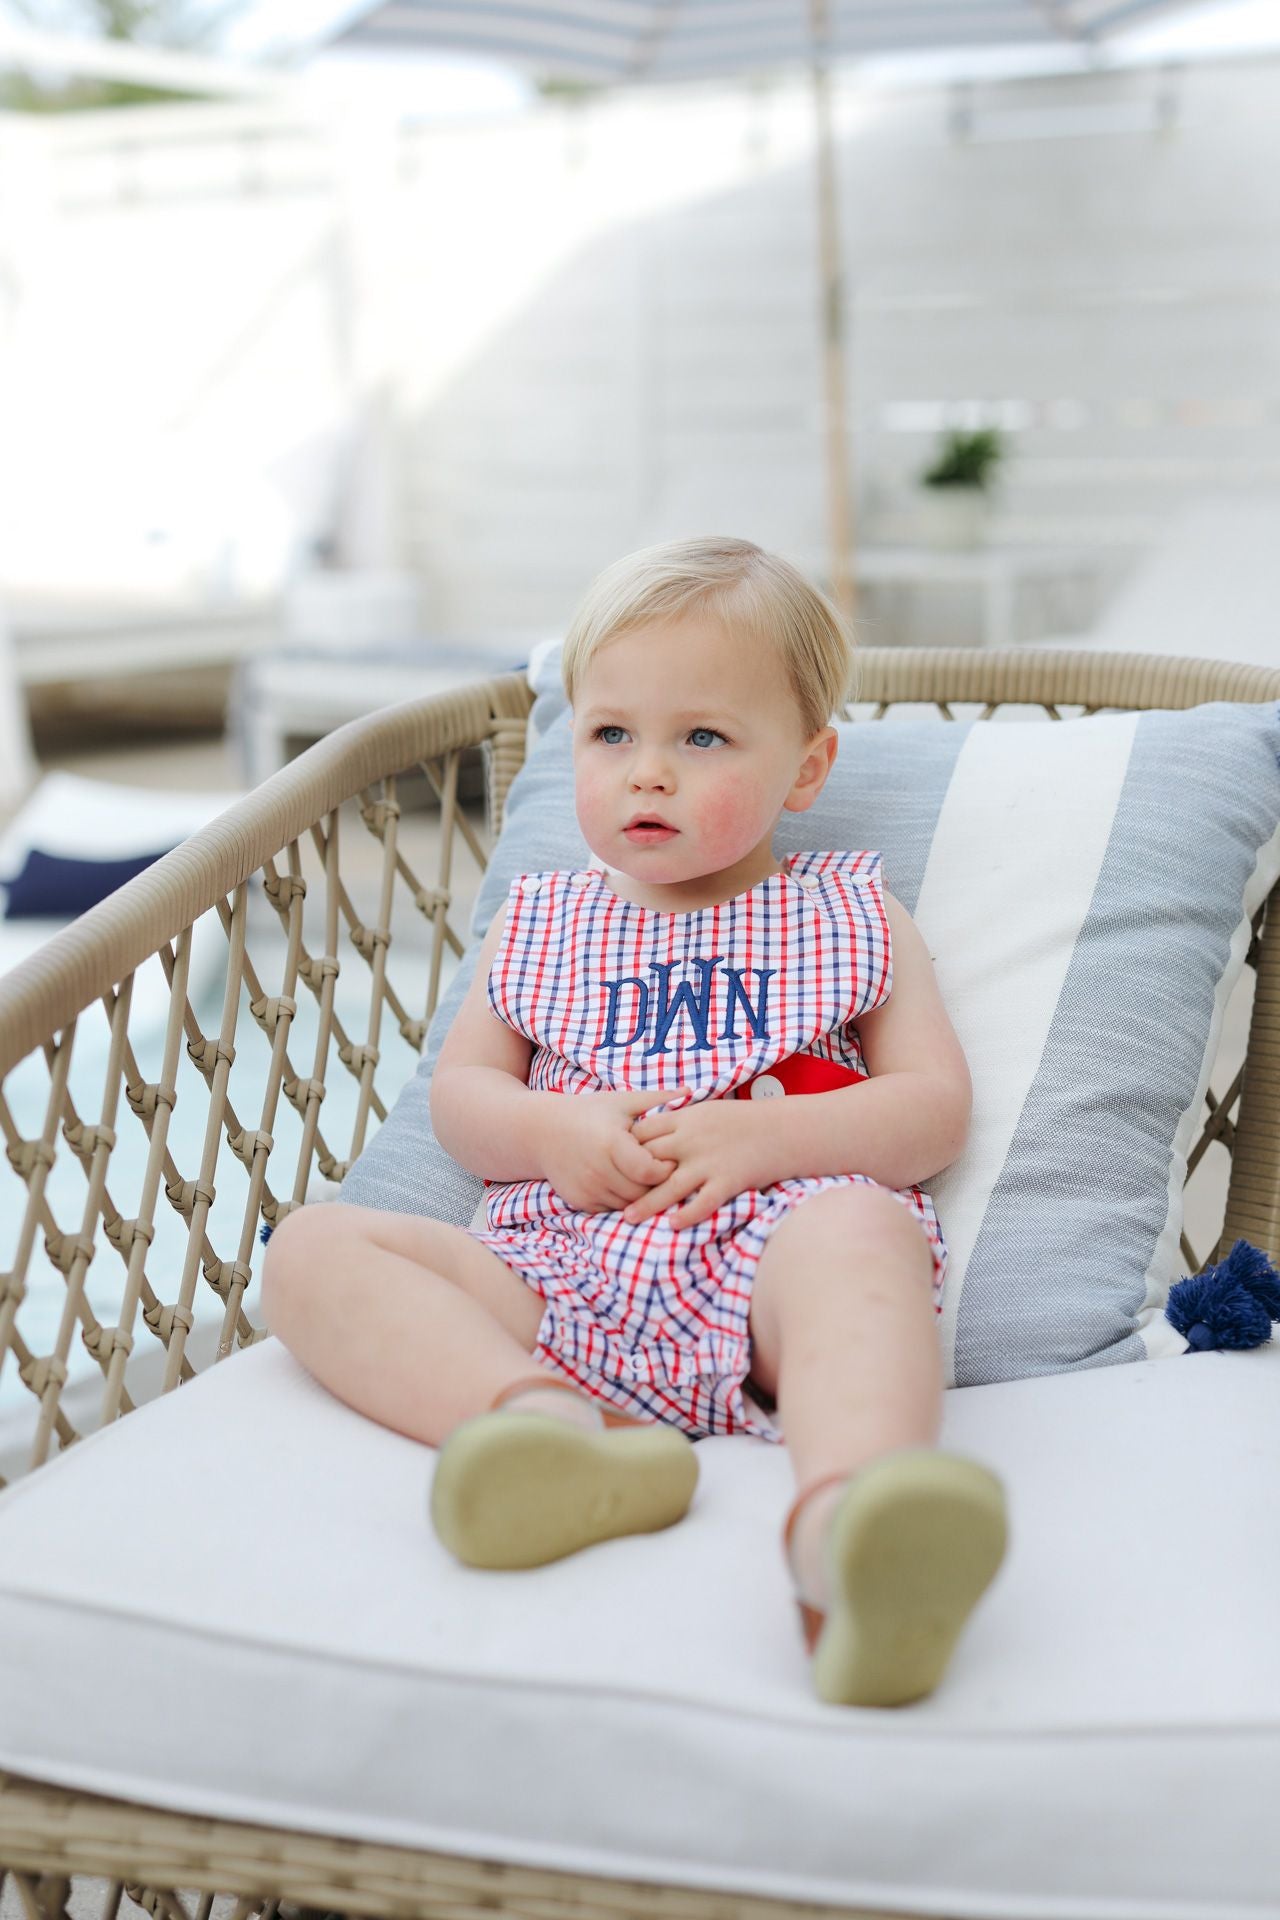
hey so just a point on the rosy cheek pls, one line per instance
(727, 816)
(589, 789)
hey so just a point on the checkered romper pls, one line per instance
(653, 1318)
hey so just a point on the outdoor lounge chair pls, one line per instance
(1211, 583)
(233, 1658)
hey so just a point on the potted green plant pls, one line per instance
(958, 485)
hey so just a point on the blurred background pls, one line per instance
(342, 344)
(369, 332)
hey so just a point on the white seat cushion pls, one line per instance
(231, 1603)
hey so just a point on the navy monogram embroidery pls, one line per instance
(696, 1006)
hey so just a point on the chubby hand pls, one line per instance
(592, 1158)
(719, 1148)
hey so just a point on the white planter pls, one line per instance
(953, 516)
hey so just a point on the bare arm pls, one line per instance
(911, 1118)
(484, 1114)
(905, 1123)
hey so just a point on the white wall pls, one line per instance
(592, 327)
(1111, 296)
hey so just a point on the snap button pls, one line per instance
(809, 881)
(766, 1087)
(582, 879)
(530, 885)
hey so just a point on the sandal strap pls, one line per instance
(528, 1383)
(543, 1383)
(793, 1511)
(812, 1621)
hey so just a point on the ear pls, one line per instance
(819, 758)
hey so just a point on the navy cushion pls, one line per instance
(52, 886)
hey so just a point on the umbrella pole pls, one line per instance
(839, 489)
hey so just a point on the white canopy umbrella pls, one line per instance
(630, 42)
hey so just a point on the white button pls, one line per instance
(809, 880)
(765, 1087)
(530, 886)
(581, 879)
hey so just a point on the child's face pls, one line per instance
(692, 725)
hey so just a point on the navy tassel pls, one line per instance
(264, 1232)
(1230, 1305)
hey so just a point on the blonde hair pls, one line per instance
(749, 590)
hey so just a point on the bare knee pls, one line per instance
(867, 1217)
(842, 1240)
(304, 1243)
(842, 1232)
(884, 1241)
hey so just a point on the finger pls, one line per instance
(698, 1206)
(638, 1195)
(610, 1199)
(638, 1211)
(637, 1099)
(667, 1195)
(652, 1127)
(637, 1163)
(647, 1204)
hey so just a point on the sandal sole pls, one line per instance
(521, 1489)
(914, 1544)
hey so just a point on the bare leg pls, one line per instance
(416, 1325)
(892, 1558)
(409, 1321)
(843, 1333)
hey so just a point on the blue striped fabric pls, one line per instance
(627, 41)
(1124, 1054)
(1085, 891)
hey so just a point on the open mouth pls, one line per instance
(646, 832)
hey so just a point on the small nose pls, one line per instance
(650, 769)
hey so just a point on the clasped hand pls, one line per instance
(605, 1158)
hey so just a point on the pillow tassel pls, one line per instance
(1229, 1305)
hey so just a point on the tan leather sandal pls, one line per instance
(910, 1550)
(514, 1489)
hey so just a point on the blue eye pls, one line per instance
(607, 729)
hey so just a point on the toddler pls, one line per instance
(669, 1251)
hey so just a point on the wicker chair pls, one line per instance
(274, 881)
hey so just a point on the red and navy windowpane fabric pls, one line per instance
(754, 997)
